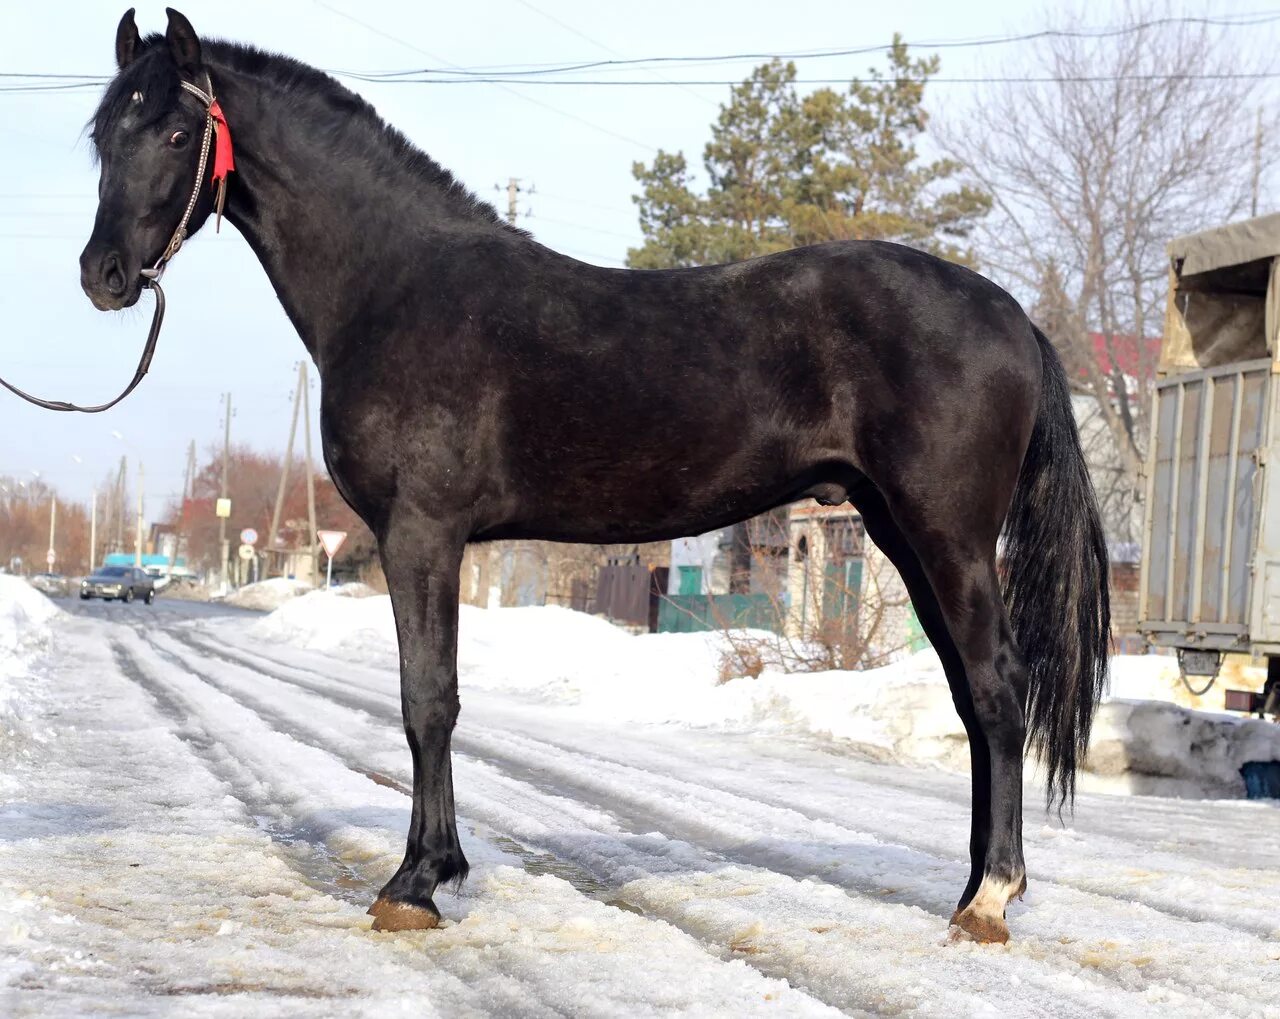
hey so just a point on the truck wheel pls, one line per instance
(84, 597)
(150, 596)
(128, 595)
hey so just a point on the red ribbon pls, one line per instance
(223, 160)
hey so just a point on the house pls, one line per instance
(806, 572)
(841, 589)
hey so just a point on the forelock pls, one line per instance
(154, 75)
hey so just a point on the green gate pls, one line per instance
(697, 613)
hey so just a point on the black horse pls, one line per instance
(477, 386)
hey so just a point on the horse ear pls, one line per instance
(184, 44)
(128, 42)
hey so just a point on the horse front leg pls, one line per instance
(421, 559)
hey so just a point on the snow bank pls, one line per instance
(902, 712)
(267, 595)
(1160, 747)
(24, 617)
(348, 619)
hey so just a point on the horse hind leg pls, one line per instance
(952, 522)
(969, 595)
(889, 538)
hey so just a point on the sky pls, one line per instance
(572, 146)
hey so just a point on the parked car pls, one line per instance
(123, 582)
(54, 584)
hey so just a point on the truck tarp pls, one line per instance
(1224, 296)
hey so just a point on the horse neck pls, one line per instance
(329, 224)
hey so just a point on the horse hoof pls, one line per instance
(970, 925)
(389, 915)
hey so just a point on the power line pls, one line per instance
(590, 256)
(1046, 79)
(1241, 21)
(521, 74)
(579, 201)
(580, 226)
(599, 45)
(529, 99)
(939, 80)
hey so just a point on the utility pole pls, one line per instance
(53, 517)
(311, 477)
(118, 503)
(93, 528)
(188, 485)
(1257, 163)
(513, 190)
(222, 521)
(272, 539)
(137, 538)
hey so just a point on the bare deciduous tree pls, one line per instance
(1132, 138)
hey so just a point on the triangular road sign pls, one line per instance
(332, 541)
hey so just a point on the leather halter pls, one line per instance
(213, 114)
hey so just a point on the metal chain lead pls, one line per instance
(180, 234)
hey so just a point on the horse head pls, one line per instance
(148, 135)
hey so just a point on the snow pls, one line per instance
(1163, 747)
(24, 617)
(899, 713)
(266, 595)
(329, 620)
(206, 804)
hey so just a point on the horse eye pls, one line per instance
(136, 97)
(178, 139)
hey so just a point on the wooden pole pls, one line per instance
(137, 539)
(53, 520)
(288, 461)
(223, 547)
(311, 478)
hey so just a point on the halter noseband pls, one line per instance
(214, 124)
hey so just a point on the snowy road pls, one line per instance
(193, 822)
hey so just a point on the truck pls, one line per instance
(1209, 578)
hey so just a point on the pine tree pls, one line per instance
(785, 169)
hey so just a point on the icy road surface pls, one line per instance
(193, 823)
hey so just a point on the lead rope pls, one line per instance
(152, 275)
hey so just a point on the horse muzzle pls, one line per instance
(108, 280)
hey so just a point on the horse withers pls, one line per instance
(477, 385)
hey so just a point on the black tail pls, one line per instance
(1055, 588)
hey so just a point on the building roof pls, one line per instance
(1124, 352)
(150, 559)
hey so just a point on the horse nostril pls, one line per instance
(113, 274)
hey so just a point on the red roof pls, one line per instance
(1126, 352)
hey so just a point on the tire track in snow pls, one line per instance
(299, 847)
(333, 743)
(1053, 851)
(532, 763)
(207, 718)
(1126, 820)
(1110, 875)
(1077, 919)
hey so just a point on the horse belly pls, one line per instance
(634, 493)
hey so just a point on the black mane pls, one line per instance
(349, 121)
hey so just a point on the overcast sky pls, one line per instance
(224, 328)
